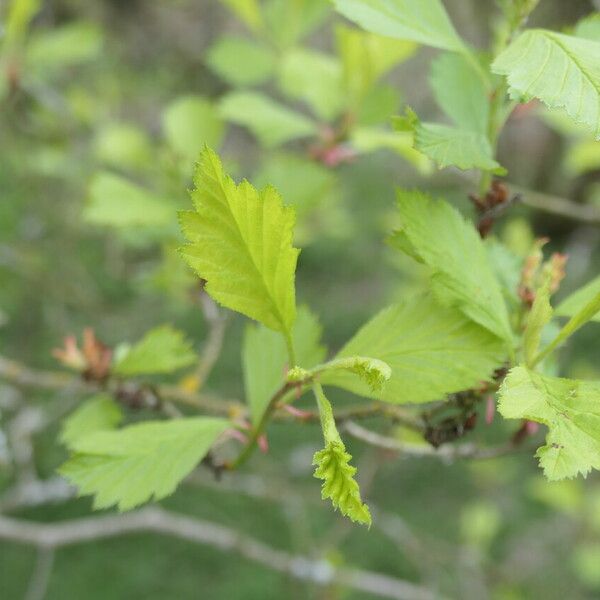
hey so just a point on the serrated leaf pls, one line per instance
(190, 123)
(98, 413)
(240, 242)
(162, 350)
(241, 61)
(333, 467)
(117, 202)
(141, 462)
(435, 233)
(315, 78)
(571, 411)
(422, 21)
(571, 305)
(539, 316)
(272, 123)
(562, 71)
(431, 350)
(264, 358)
(466, 102)
(589, 27)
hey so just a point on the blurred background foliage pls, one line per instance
(105, 106)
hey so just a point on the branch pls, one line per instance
(320, 572)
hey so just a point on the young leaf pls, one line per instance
(373, 372)
(435, 233)
(161, 350)
(240, 242)
(190, 123)
(240, 61)
(98, 413)
(539, 316)
(264, 358)
(561, 70)
(334, 469)
(148, 460)
(431, 350)
(571, 305)
(422, 21)
(570, 409)
(272, 123)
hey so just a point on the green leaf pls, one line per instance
(461, 92)
(436, 234)
(315, 78)
(240, 242)
(190, 123)
(561, 70)
(333, 467)
(422, 21)
(272, 123)
(589, 27)
(288, 22)
(248, 11)
(571, 411)
(240, 61)
(141, 462)
(98, 413)
(431, 350)
(117, 202)
(162, 350)
(574, 303)
(373, 372)
(123, 146)
(539, 316)
(264, 358)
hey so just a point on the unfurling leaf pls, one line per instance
(539, 316)
(571, 411)
(161, 350)
(372, 371)
(137, 463)
(240, 242)
(333, 467)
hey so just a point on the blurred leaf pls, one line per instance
(98, 413)
(571, 411)
(460, 92)
(240, 242)
(507, 267)
(117, 202)
(18, 17)
(247, 11)
(64, 46)
(378, 105)
(422, 21)
(190, 123)
(265, 360)
(589, 27)
(432, 351)
(582, 157)
(315, 78)
(585, 561)
(571, 305)
(272, 123)
(123, 146)
(290, 20)
(141, 462)
(241, 61)
(561, 70)
(462, 274)
(565, 496)
(480, 523)
(162, 350)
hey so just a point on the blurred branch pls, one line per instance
(212, 349)
(57, 535)
(38, 584)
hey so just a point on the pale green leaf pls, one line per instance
(272, 123)
(98, 413)
(461, 92)
(561, 70)
(241, 61)
(123, 145)
(574, 303)
(117, 202)
(315, 78)
(333, 467)
(378, 104)
(589, 27)
(289, 21)
(247, 11)
(190, 123)
(571, 411)
(240, 242)
(373, 372)
(265, 360)
(435, 233)
(162, 350)
(539, 316)
(431, 350)
(422, 21)
(141, 462)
